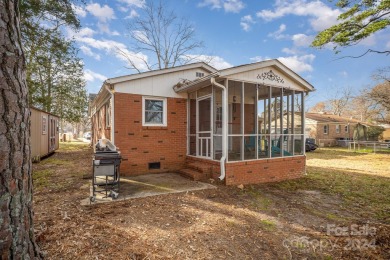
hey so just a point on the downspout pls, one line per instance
(224, 145)
(107, 86)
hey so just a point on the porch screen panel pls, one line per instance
(288, 133)
(235, 145)
(276, 120)
(217, 129)
(250, 120)
(192, 124)
(234, 101)
(299, 142)
(263, 121)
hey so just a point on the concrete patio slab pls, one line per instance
(150, 185)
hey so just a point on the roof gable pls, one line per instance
(160, 72)
(270, 72)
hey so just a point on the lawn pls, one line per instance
(295, 219)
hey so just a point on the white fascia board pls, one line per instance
(161, 71)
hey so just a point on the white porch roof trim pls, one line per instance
(227, 73)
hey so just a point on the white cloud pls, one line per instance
(259, 58)
(103, 13)
(278, 34)
(321, 15)
(298, 63)
(79, 10)
(86, 32)
(214, 61)
(246, 22)
(302, 40)
(214, 4)
(289, 51)
(117, 49)
(230, 6)
(87, 51)
(134, 3)
(343, 73)
(105, 28)
(388, 44)
(133, 14)
(233, 6)
(90, 75)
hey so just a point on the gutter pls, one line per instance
(108, 87)
(189, 85)
(224, 128)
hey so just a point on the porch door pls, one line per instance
(203, 130)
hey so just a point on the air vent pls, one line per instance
(199, 74)
(154, 165)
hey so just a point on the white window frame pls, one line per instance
(338, 129)
(346, 128)
(165, 111)
(327, 129)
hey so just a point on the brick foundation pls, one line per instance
(267, 170)
(259, 171)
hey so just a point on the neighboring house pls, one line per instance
(204, 123)
(386, 134)
(328, 128)
(44, 135)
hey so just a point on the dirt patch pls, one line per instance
(288, 220)
(150, 185)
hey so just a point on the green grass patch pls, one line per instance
(41, 178)
(55, 161)
(73, 146)
(259, 200)
(365, 193)
(268, 225)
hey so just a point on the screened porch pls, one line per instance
(256, 121)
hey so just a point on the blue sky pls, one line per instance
(235, 32)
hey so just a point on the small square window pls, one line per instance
(154, 111)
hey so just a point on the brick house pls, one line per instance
(327, 128)
(204, 123)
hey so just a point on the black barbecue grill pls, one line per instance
(106, 162)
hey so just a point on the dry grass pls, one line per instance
(223, 223)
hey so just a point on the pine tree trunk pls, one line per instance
(16, 214)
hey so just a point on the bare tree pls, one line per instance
(339, 100)
(16, 214)
(160, 34)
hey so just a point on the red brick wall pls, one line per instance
(268, 170)
(141, 145)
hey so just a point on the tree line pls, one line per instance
(54, 72)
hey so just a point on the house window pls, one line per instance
(199, 74)
(154, 111)
(108, 114)
(346, 128)
(44, 125)
(337, 128)
(325, 129)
